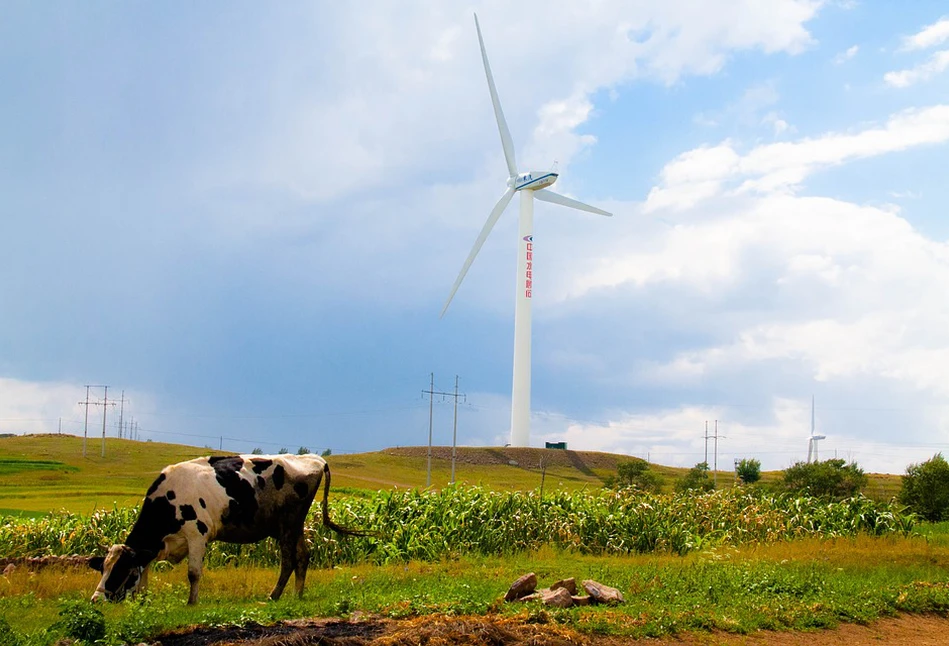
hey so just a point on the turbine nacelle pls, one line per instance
(534, 180)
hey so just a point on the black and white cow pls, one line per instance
(237, 499)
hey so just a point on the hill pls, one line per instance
(41, 473)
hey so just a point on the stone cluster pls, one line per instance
(563, 593)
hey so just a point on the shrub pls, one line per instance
(925, 488)
(696, 479)
(635, 473)
(83, 621)
(749, 471)
(829, 479)
(8, 636)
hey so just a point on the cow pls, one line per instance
(236, 499)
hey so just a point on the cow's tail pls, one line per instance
(326, 512)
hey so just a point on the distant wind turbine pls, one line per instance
(813, 439)
(530, 185)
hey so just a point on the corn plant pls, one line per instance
(460, 520)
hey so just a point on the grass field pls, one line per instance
(742, 587)
(787, 586)
(42, 473)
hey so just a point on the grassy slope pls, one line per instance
(82, 485)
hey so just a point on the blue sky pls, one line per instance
(249, 218)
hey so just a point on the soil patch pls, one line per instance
(435, 630)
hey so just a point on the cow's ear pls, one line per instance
(96, 562)
(142, 558)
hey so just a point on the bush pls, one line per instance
(8, 636)
(925, 488)
(697, 479)
(829, 479)
(257, 451)
(634, 473)
(748, 471)
(327, 453)
(83, 621)
(303, 451)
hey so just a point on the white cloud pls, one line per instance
(930, 36)
(704, 172)
(936, 64)
(846, 55)
(39, 406)
(676, 437)
(388, 104)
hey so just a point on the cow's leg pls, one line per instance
(143, 586)
(288, 561)
(303, 562)
(195, 560)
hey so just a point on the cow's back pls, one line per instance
(239, 499)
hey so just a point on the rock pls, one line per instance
(570, 585)
(559, 598)
(581, 601)
(522, 587)
(602, 593)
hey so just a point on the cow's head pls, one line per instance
(122, 572)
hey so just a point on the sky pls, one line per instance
(247, 218)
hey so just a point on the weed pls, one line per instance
(81, 620)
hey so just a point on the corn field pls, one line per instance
(430, 526)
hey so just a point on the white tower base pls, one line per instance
(521, 388)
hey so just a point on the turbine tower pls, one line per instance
(530, 185)
(813, 439)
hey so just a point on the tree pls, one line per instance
(748, 470)
(283, 451)
(303, 450)
(257, 451)
(829, 479)
(697, 479)
(326, 453)
(635, 473)
(925, 488)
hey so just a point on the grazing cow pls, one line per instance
(237, 499)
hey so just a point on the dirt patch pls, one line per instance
(434, 630)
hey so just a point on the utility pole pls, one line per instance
(431, 392)
(454, 433)
(85, 426)
(105, 403)
(706, 443)
(715, 473)
(121, 413)
(431, 402)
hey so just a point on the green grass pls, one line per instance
(43, 473)
(802, 585)
(730, 578)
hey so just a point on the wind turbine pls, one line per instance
(813, 439)
(530, 185)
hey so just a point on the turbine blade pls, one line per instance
(556, 198)
(485, 231)
(506, 142)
